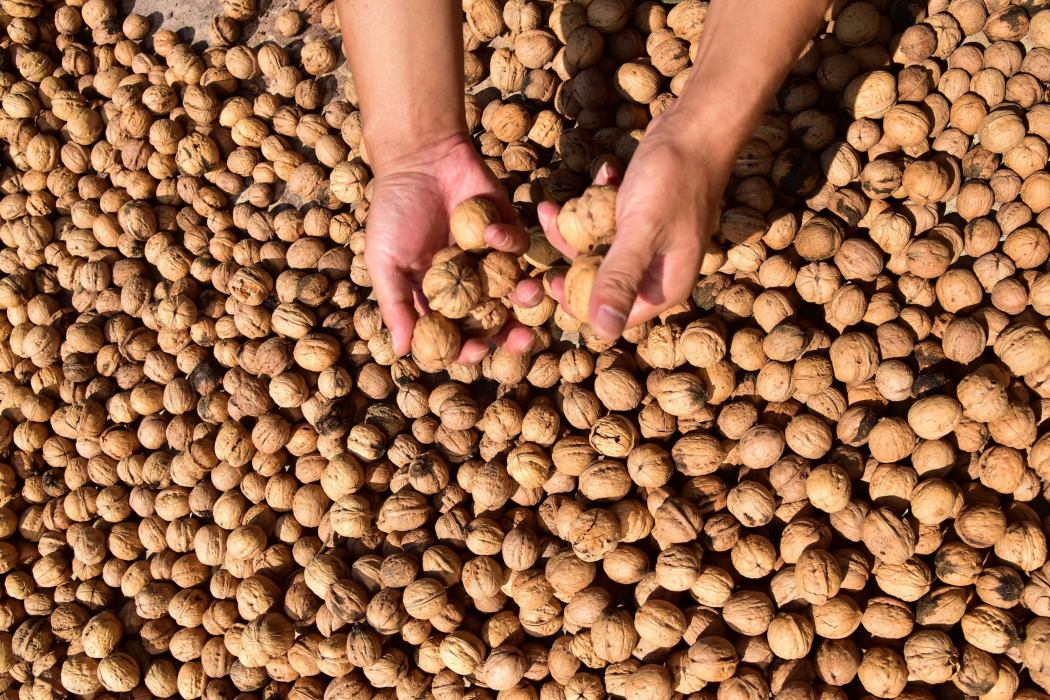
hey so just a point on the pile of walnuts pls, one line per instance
(821, 477)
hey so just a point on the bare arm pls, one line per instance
(407, 59)
(747, 49)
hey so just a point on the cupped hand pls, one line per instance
(408, 221)
(666, 210)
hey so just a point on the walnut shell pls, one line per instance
(883, 672)
(578, 283)
(498, 273)
(589, 221)
(452, 287)
(871, 95)
(637, 82)
(435, 342)
(468, 222)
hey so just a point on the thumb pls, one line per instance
(619, 277)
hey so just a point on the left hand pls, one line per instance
(666, 210)
(408, 223)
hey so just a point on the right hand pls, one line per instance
(408, 222)
(653, 262)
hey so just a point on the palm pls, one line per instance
(409, 222)
(407, 225)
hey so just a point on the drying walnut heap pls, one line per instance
(823, 476)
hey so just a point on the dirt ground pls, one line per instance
(191, 18)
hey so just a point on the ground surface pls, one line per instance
(191, 18)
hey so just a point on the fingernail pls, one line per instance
(541, 214)
(532, 342)
(498, 238)
(604, 172)
(608, 322)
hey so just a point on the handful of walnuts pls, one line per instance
(465, 287)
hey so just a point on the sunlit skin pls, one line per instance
(407, 59)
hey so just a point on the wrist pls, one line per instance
(716, 117)
(695, 136)
(393, 148)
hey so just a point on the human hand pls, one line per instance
(408, 221)
(666, 210)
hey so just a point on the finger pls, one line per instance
(528, 293)
(643, 311)
(607, 175)
(547, 212)
(668, 281)
(509, 238)
(515, 338)
(422, 306)
(473, 351)
(557, 287)
(616, 284)
(396, 300)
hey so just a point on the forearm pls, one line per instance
(407, 61)
(747, 49)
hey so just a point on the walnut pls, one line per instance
(790, 636)
(614, 436)
(837, 619)
(989, 629)
(748, 612)
(435, 342)
(499, 273)
(589, 221)
(681, 394)
(659, 623)
(871, 95)
(503, 668)
(883, 672)
(888, 536)
(1001, 130)
(891, 440)
(817, 576)
(468, 222)
(461, 652)
(761, 446)
(1033, 650)
(614, 635)
(753, 556)
(578, 283)
(452, 287)
(713, 659)
(931, 657)
(119, 672)
(1023, 348)
(637, 82)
